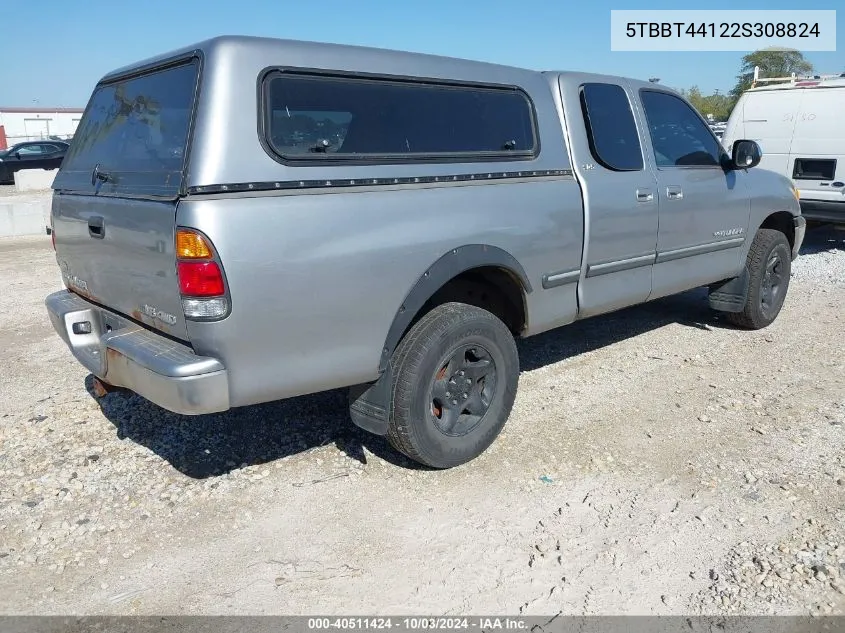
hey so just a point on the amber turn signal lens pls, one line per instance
(190, 245)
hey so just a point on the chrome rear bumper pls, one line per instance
(122, 353)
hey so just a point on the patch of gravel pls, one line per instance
(801, 571)
(806, 569)
(822, 256)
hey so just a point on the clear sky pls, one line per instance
(54, 51)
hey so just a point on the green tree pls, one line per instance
(718, 105)
(698, 100)
(772, 63)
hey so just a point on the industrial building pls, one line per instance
(32, 124)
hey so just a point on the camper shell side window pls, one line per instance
(312, 117)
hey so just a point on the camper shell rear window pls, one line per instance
(133, 136)
(318, 117)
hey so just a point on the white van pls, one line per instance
(799, 124)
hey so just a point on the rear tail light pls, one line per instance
(205, 308)
(201, 280)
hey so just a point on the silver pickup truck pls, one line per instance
(246, 220)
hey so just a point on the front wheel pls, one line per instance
(454, 382)
(769, 266)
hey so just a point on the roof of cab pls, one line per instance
(577, 77)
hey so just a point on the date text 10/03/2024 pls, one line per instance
(723, 29)
(419, 624)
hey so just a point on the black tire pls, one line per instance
(769, 265)
(452, 338)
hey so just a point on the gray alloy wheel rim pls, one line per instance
(773, 284)
(462, 389)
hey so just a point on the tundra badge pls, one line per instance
(728, 232)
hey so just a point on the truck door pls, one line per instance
(704, 209)
(620, 196)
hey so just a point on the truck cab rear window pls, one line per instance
(314, 117)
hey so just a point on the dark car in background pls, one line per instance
(31, 155)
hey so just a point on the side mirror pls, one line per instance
(18, 155)
(746, 154)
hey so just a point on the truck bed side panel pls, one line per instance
(317, 279)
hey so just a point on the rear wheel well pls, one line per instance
(494, 289)
(781, 221)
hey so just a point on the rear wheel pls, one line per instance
(769, 266)
(454, 382)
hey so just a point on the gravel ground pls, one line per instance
(657, 461)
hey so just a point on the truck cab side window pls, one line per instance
(678, 135)
(611, 130)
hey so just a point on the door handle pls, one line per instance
(644, 195)
(96, 227)
(674, 193)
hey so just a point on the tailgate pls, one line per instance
(120, 253)
(114, 206)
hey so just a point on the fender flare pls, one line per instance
(448, 266)
(368, 403)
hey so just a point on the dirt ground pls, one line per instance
(657, 461)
